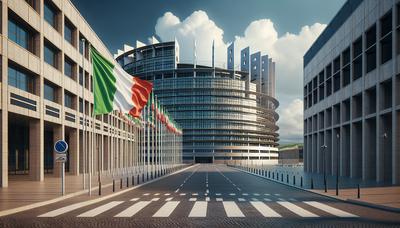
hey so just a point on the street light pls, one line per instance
(323, 150)
(337, 164)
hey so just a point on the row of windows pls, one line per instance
(332, 79)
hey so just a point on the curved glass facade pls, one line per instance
(222, 115)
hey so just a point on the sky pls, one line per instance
(283, 29)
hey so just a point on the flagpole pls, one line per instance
(92, 142)
(84, 151)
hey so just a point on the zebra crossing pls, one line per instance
(233, 208)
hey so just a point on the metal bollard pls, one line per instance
(127, 182)
(99, 188)
(287, 178)
(358, 191)
(294, 180)
(113, 185)
(120, 186)
(312, 183)
(133, 180)
(301, 181)
(138, 180)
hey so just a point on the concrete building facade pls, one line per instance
(46, 78)
(352, 94)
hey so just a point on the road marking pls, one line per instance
(65, 209)
(241, 199)
(232, 194)
(266, 199)
(296, 209)
(207, 191)
(100, 209)
(294, 200)
(157, 194)
(193, 199)
(169, 199)
(239, 189)
(199, 209)
(166, 209)
(280, 199)
(177, 190)
(245, 194)
(132, 210)
(264, 209)
(266, 194)
(135, 199)
(329, 209)
(195, 194)
(277, 194)
(155, 199)
(146, 194)
(217, 194)
(254, 199)
(167, 194)
(219, 199)
(256, 194)
(182, 194)
(232, 209)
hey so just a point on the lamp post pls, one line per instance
(337, 163)
(323, 149)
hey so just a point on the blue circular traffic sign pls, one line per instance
(61, 147)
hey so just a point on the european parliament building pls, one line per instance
(227, 115)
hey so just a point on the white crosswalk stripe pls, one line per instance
(182, 194)
(169, 199)
(241, 199)
(65, 209)
(199, 209)
(329, 209)
(100, 209)
(264, 209)
(167, 209)
(155, 199)
(266, 199)
(132, 210)
(193, 199)
(296, 209)
(232, 209)
(135, 199)
(219, 199)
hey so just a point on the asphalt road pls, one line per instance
(205, 196)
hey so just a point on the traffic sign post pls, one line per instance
(61, 147)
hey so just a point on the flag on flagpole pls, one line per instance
(115, 89)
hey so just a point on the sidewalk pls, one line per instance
(371, 193)
(22, 192)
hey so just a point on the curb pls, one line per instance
(58, 199)
(352, 201)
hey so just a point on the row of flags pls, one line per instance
(115, 89)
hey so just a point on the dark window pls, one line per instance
(321, 77)
(68, 67)
(386, 24)
(69, 32)
(386, 49)
(50, 55)
(336, 82)
(80, 105)
(328, 87)
(371, 59)
(357, 68)
(328, 71)
(68, 100)
(50, 14)
(357, 47)
(20, 79)
(19, 34)
(346, 56)
(336, 64)
(346, 76)
(49, 92)
(371, 36)
(80, 76)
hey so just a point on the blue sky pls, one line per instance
(282, 29)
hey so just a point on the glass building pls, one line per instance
(223, 115)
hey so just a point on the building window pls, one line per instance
(80, 76)
(50, 14)
(49, 92)
(357, 59)
(50, 54)
(386, 37)
(20, 79)
(69, 67)
(371, 49)
(83, 43)
(69, 31)
(68, 100)
(20, 35)
(34, 4)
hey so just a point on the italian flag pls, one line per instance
(115, 89)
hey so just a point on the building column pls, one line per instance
(36, 150)
(73, 150)
(4, 147)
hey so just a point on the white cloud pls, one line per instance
(291, 121)
(286, 50)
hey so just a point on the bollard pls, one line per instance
(99, 188)
(312, 184)
(113, 185)
(358, 191)
(127, 182)
(282, 177)
(138, 179)
(287, 178)
(301, 181)
(294, 180)
(120, 186)
(273, 175)
(133, 180)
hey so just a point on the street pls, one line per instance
(203, 195)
